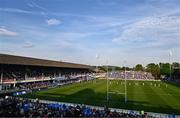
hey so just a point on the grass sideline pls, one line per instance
(152, 96)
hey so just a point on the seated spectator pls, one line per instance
(15, 107)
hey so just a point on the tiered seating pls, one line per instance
(14, 107)
(130, 75)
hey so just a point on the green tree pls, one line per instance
(176, 69)
(139, 67)
(165, 69)
(117, 68)
(127, 68)
(154, 69)
(102, 68)
(175, 65)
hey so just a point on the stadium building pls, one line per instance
(31, 87)
(17, 71)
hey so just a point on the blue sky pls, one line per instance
(92, 31)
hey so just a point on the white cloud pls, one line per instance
(53, 22)
(72, 36)
(152, 31)
(5, 32)
(30, 5)
(15, 10)
(28, 45)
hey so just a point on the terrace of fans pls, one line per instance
(17, 71)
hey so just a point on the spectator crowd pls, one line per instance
(16, 107)
(43, 83)
(35, 85)
(130, 75)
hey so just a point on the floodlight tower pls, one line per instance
(97, 58)
(1, 82)
(125, 87)
(170, 55)
(107, 86)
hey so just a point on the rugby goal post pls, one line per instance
(117, 92)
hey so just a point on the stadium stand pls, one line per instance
(26, 108)
(20, 75)
(139, 75)
(24, 72)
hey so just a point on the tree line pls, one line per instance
(157, 70)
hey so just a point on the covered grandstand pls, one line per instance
(18, 70)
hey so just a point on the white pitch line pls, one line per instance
(116, 93)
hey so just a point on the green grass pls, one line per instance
(164, 98)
